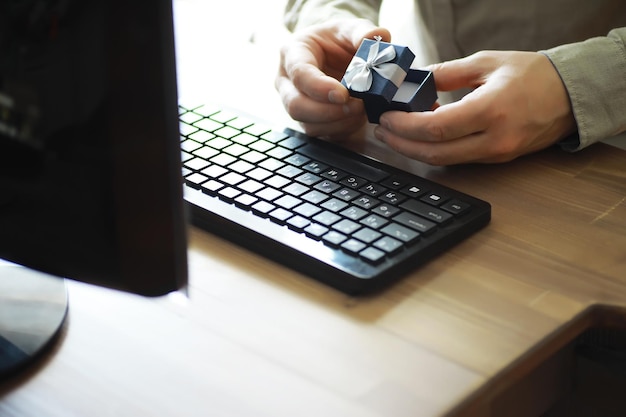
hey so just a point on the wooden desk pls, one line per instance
(483, 330)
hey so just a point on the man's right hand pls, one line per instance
(312, 64)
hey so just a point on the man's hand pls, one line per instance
(311, 67)
(518, 105)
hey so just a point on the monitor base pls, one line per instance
(33, 308)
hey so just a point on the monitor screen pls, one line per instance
(90, 185)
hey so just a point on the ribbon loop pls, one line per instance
(359, 75)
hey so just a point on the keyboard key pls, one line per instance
(372, 255)
(261, 146)
(346, 194)
(434, 198)
(194, 180)
(250, 186)
(326, 218)
(385, 210)
(402, 233)
(414, 190)
(334, 174)
(315, 197)
(334, 205)
(307, 210)
(327, 187)
(273, 136)
(280, 215)
(334, 238)
(427, 211)
(388, 244)
(366, 202)
(205, 152)
(245, 139)
(315, 167)
(228, 193)
(354, 213)
(272, 164)
(211, 187)
(263, 208)
(259, 174)
(232, 178)
(245, 201)
(240, 123)
(373, 189)
(241, 166)
(257, 129)
(296, 189)
(392, 197)
(456, 207)
(347, 227)
(226, 132)
(298, 223)
(297, 159)
(353, 246)
(292, 143)
(278, 152)
(308, 179)
(223, 116)
(367, 235)
(214, 171)
(208, 125)
(190, 145)
(196, 164)
(269, 194)
(374, 221)
(277, 181)
(415, 222)
(289, 171)
(315, 231)
(287, 201)
(353, 182)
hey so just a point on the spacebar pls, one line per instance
(345, 163)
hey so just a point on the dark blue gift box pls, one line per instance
(394, 86)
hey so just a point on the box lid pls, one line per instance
(377, 69)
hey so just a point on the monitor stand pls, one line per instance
(33, 308)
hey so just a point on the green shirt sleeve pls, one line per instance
(594, 74)
(302, 13)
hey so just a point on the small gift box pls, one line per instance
(379, 74)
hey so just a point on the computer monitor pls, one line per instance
(90, 175)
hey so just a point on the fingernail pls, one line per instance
(384, 122)
(379, 134)
(335, 97)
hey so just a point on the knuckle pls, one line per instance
(504, 149)
(433, 158)
(434, 132)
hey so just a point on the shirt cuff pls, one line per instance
(593, 74)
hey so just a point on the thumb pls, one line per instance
(364, 29)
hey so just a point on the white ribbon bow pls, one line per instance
(359, 77)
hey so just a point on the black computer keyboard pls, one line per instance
(337, 216)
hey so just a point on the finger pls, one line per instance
(304, 109)
(304, 61)
(465, 117)
(371, 34)
(469, 72)
(301, 66)
(477, 148)
(335, 130)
